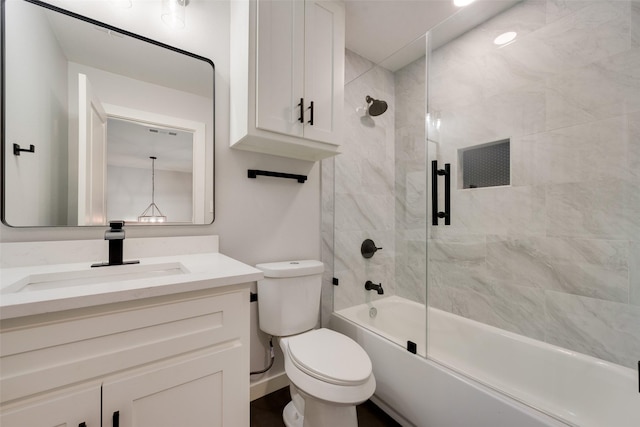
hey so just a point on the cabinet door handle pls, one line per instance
(82, 424)
(116, 419)
(301, 105)
(311, 113)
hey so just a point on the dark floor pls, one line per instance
(267, 412)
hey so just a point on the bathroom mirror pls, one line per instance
(100, 124)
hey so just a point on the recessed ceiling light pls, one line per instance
(462, 3)
(505, 38)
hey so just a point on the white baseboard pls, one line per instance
(268, 385)
(391, 412)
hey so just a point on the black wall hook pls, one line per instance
(17, 149)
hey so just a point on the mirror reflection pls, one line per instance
(97, 104)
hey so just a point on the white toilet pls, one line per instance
(329, 372)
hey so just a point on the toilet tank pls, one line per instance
(289, 296)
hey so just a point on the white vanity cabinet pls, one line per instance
(167, 361)
(287, 77)
(69, 408)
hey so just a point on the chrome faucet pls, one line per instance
(115, 236)
(370, 286)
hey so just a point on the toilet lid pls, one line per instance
(330, 357)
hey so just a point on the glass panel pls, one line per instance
(380, 195)
(536, 284)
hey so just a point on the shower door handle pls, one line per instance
(435, 213)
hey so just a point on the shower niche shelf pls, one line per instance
(486, 165)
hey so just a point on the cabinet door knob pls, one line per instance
(116, 419)
(311, 113)
(82, 424)
(301, 105)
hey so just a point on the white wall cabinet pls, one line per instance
(170, 361)
(287, 77)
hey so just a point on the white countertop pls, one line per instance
(198, 272)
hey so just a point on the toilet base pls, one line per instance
(317, 413)
(291, 416)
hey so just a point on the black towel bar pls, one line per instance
(253, 173)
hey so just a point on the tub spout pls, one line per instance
(370, 286)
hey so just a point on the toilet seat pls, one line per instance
(312, 378)
(330, 357)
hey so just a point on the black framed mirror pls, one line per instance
(121, 126)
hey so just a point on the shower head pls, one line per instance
(375, 107)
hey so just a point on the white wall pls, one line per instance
(258, 220)
(35, 196)
(129, 193)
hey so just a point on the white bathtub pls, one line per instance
(539, 384)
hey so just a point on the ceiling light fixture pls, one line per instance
(152, 213)
(505, 38)
(173, 13)
(462, 3)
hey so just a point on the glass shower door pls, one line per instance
(536, 112)
(379, 198)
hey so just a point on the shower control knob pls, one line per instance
(368, 248)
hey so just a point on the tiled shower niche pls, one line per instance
(486, 165)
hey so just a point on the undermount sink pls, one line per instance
(119, 273)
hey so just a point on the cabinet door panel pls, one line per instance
(280, 62)
(60, 410)
(198, 391)
(324, 69)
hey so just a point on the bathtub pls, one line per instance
(509, 380)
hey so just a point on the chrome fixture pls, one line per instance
(370, 286)
(152, 213)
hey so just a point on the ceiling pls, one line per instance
(98, 47)
(375, 29)
(131, 143)
(383, 30)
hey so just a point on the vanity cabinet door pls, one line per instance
(76, 408)
(207, 389)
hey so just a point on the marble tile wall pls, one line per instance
(555, 255)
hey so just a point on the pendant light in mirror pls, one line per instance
(152, 213)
